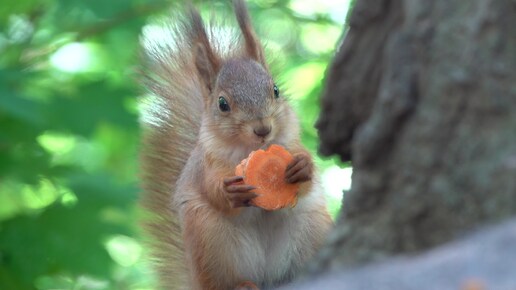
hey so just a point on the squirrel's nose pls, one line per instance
(262, 131)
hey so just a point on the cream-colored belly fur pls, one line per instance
(266, 246)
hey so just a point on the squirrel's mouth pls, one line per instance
(262, 142)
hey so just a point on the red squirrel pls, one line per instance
(212, 102)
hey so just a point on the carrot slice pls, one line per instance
(266, 171)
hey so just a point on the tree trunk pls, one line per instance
(422, 98)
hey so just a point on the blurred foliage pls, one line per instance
(69, 131)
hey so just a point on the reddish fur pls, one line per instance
(212, 185)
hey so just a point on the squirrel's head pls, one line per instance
(243, 104)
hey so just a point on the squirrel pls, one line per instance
(212, 101)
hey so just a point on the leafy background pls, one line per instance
(69, 129)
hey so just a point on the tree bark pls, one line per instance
(421, 97)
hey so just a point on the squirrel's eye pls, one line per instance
(276, 92)
(223, 105)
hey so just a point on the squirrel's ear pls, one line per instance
(207, 66)
(252, 44)
(206, 61)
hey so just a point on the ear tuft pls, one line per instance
(252, 44)
(206, 61)
(206, 67)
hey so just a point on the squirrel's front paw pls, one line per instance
(238, 193)
(300, 169)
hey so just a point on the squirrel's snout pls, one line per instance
(262, 131)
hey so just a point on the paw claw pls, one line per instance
(300, 169)
(238, 194)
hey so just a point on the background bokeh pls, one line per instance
(69, 131)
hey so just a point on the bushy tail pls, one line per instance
(170, 119)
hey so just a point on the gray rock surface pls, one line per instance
(483, 260)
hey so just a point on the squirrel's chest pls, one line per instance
(265, 246)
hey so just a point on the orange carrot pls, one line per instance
(266, 171)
